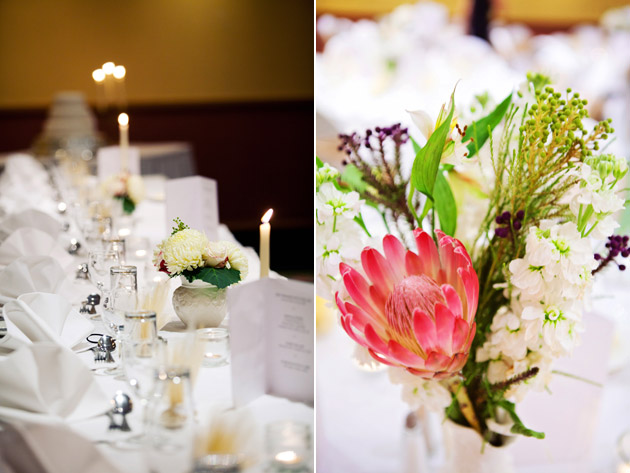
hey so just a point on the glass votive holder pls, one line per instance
(117, 245)
(140, 325)
(216, 346)
(218, 463)
(288, 447)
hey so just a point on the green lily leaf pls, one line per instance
(219, 277)
(445, 205)
(354, 178)
(479, 131)
(319, 162)
(427, 162)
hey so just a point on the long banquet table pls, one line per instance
(53, 443)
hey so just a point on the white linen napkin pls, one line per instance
(34, 274)
(32, 218)
(31, 241)
(43, 317)
(47, 383)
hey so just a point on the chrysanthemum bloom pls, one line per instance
(416, 311)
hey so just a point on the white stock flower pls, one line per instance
(417, 391)
(184, 251)
(331, 202)
(326, 173)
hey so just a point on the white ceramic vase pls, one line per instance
(465, 452)
(200, 304)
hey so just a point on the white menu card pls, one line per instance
(195, 201)
(271, 336)
(108, 161)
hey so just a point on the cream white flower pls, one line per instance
(184, 251)
(216, 253)
(113, 186)
(135, 188)
(417, 391)
(334, 203)
(237, 258)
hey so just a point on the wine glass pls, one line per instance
(99, 264)
(170, 421)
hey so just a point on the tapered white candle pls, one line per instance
(121, 92)
(99, 78)
(265, 233)
(108, 69)
(123, 128)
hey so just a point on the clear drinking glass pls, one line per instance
(118, 245)
(122, 298)
(94, 229)
(99, 264)
(288, 447)
(171, 422)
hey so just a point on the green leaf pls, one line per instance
(219, 277)
(128, 205)
(480, 130)
(416, 146)
(359, 220)
(354, 178)
(445, 205)
(319, 162)
(518, 427)
(427, 162)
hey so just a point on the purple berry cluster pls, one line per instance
(373, 139)
(617, 245)
(510, 223)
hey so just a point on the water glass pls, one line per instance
(140, 325)
(117, 245)
(216, 346)
(141, 359)
(122, 298)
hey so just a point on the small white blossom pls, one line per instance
(418, 392)
(331, 202)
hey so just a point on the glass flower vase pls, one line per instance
(199, 304)
(465, 451)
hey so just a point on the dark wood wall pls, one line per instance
(261, 154)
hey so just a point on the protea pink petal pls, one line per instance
(422, 373)
(437, 361)
(359, 290)
(378, 269)
(374, 341)
(427, 251)
(360, 318)
(380, 358)
(377, 296)
(470, 282)
(458, 362)
(452, 300)
(424, 330)
(395, 254)
(341, 304)
(413, 263)
(444, 324)
(461, 331)
(471, 336)
(346, 323)
(404, 356)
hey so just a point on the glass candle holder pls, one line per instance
(288, 447)
(140, 325)
(117, 245)
(216, 346)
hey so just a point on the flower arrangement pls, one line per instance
(128, 188)
(487, 256)
(189, 253)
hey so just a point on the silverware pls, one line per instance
(82, 271)
(123, 406)
(74, 247)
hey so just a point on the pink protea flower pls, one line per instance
(419, 310)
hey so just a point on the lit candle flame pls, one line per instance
(288, 457)
(98, 75)
(265, 218)
(108, 68)
(119, 72)
(123, 119)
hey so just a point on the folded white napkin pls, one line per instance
(43, 317)
(24, 184)
(31, 241)
(47, 383)
(32, 218)
(34, 274)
